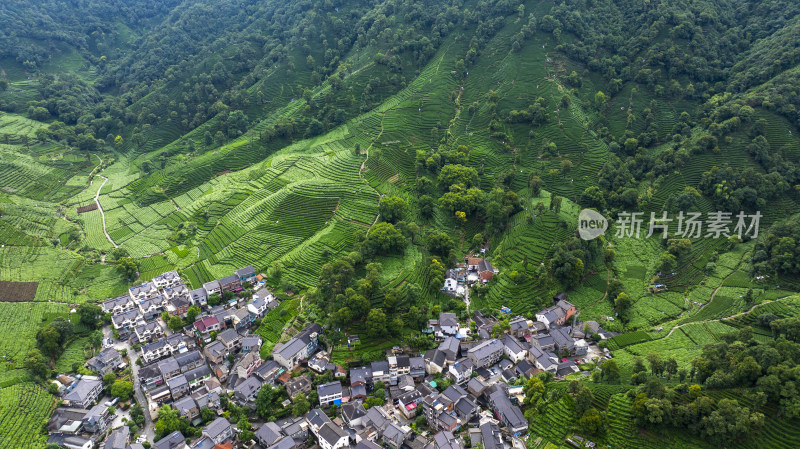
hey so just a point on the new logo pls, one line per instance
(591, 224)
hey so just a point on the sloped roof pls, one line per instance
(246, 271)
(82, 390)
(249, 387)
(269, 432)
(217, 427)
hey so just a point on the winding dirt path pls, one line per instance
(100, 208)
(728, 317)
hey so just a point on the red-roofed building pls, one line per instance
(207, 325)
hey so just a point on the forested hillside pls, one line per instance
(353, 151)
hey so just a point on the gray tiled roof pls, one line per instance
(486, 348)
(283, 443)
(185, 404)
(211, 285)
(217, 427)
(330, 388)
(317, 418)
(171, 441)
(128, 315)
(229, 280)
(490, 436)
(168, 365)
(331, 433)
(269, 433)
(145, 287)
(448, 319)
(353, 410)
(512, 344)
(562, 338)
(249, 387)
(188, 357)
(120, 301)
(177, 382)
(509, 413)
(82, 390)
(446, 440)
(246, 271)
(197, 373)
(228, 336)
(118, 438)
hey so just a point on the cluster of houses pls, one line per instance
(474, 269)
(186, 369)
(134, 315)
(218, 355)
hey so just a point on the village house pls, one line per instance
(558, 314)
(353, 413)
(394, 435)
(479, 269)
(435, 361)
(248, 389)
(545, 361)
(106, 362)
(119, 438)
(241, 319)
(486, 353)
(461, 370)
(248, 364)
(84, 393)
(219, 431)
(196, 376)
(189, 360)
(451, 285)
(445, 440)
(152, 307)
(230, 283)
(263, 301)
(330, 393)
(168, 368)
(268, 434)
(298, 385)
(269, 371)
(215, 352)
(446, 325)
(118, 305)
(143, 291)
(246, 275)
(178, 305)
(513, 348)
(176, 290)
(212, 288)
(251, 343)
(175, 440)
(562, 340)
(150, 376)
(96, 419)
(162, 348)
(199, 297)
(231, 339)
(148, 332)
(124, 322)
(204, 326)
(298, 348)
(167, 280)
(510, 415)
(329, 435)
(178, 386)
